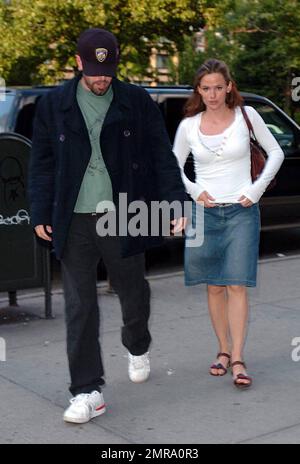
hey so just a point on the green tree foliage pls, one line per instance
(39, 37)
(260, 41)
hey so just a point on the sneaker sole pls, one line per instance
(73, 420)
(139, 380)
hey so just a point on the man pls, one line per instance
(94, 138)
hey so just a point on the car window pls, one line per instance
(6, 103)
(24, 124)
(278, 125)
(172, 110)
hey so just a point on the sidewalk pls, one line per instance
(181, 403)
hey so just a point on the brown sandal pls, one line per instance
(241, 376)
(220, 366)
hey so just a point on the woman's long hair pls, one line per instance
(195, 103)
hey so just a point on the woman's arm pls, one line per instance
(273, 150)
(182, 150)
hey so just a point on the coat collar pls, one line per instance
(68, 100)
(72, 115)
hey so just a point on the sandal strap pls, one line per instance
(226, 355)
(243, 377)
(218, 366)
(238, 363)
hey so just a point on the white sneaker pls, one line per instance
(138, 367)
(84, 407)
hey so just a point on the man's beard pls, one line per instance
(95, 90)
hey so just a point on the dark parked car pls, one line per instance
(280, 206)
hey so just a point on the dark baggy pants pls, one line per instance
(82, 253)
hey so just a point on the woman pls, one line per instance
(215, 132)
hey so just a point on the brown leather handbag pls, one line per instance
(258, 154)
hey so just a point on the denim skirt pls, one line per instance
(228, 253)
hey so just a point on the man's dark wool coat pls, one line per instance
(135, 148)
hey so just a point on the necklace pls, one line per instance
(217, 151)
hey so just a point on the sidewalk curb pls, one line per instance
(100, 285)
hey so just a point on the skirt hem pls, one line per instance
(246, 283)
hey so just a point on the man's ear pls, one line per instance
(79, 62)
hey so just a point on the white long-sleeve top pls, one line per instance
(226, 175)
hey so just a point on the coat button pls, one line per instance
(127, 133)
(135, 166)
(62, 138)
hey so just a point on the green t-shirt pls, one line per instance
(96, 184)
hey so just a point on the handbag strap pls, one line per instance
(248, 122)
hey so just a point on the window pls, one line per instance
(278, 125)
(162, 61)
(172, 109)
(24, 124)
(5, 109)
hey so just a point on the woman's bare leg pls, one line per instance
(238, 319)
(217, 304)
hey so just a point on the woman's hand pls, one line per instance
(205, 197)
(245, 202)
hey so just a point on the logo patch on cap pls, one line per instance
(101, 54)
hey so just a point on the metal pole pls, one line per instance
(13, 298)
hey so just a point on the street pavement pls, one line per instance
(181, 403)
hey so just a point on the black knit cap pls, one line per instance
(99, 52)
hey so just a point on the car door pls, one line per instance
(281, 205)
